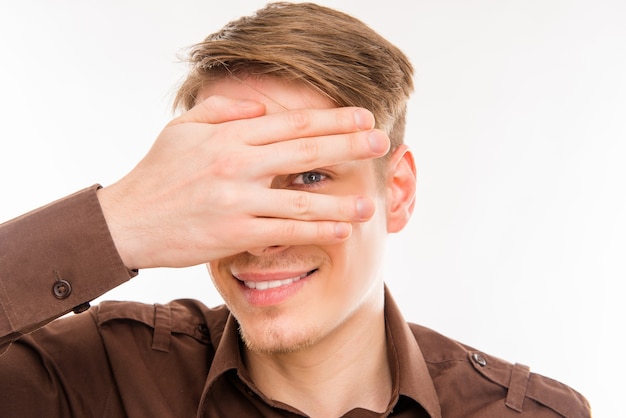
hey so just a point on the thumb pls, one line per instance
(218, 109)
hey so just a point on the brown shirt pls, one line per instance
(182, 359)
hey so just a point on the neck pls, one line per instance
(347, 369)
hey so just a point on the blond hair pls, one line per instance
(333, 53)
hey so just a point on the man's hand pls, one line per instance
(204, 189)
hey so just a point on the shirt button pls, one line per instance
(61, 289)
(479, 359)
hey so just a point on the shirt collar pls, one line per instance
(227, 352)
(408, 367)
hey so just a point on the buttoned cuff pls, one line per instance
(54, 260)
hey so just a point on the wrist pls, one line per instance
(111, 205)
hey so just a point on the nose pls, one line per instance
(267, 250)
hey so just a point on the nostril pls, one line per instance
(267, 250)
(257, 251)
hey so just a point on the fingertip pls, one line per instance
(378, 142)
(364, 119)
(365, 208)
(342, 230)
(218, 109)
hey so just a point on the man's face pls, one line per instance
(290, 297)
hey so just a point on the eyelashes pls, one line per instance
(308, 180)
(309, 177)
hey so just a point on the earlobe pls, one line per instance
(401, 183)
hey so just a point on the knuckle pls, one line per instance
(309, 150)
(347, 208)
(229, 199)
(355, 143)
(209, 104)
(299, 119)
(344, 117)
(348, 147)
(324, 231)
(228, 163)
(224, 167)
(288, 230)
(300, 204)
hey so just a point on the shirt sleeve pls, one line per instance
(60, 370)
(55, 260)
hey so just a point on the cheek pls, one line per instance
(209, 267)
(371, 236)
(214, 271)
(363, 251)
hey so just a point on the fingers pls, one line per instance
(219, 109)
(300, 218)
(313, 136)
(271, 232)
(304, 154)
(295, 141)
(302, 123)
(305, 206)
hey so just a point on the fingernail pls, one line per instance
(364, 119)
(378, 141)
(342, 230)
(364, 208)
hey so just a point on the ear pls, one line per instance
(400, 188)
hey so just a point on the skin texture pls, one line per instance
(310, 341)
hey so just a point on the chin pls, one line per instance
(273, 339)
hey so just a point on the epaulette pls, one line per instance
(522, 391)
(183, 316)
(521, 384)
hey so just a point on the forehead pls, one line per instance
(277, 94)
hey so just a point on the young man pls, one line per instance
(280, 180)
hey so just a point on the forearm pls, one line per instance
(53, 260)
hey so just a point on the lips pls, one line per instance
(268, 282)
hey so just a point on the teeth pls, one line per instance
(272, 284)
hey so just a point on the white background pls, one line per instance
(518, 126)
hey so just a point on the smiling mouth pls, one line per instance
(273, 284)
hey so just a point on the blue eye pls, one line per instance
(309, 177)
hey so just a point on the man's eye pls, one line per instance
(309, 177)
